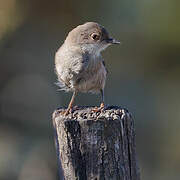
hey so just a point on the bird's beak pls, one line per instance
(112, 41)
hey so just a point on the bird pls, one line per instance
(79, 64)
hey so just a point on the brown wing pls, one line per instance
(103, 62)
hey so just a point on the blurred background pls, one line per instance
(143, 77)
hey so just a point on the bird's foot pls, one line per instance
(65, 112)
(99, 109)
(68, 111)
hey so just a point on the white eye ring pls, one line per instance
(95, 36)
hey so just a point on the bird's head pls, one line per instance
(91, 36)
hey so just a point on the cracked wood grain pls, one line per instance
(96, 146)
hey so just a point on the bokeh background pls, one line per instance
(143, 77)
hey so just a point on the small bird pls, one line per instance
(78, 62)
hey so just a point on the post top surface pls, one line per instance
(87, 113)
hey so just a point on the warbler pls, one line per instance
(79, 64)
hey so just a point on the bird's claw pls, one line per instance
(69, 110)
(99, 109)
(65, 112)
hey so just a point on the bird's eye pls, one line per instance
(95, 36)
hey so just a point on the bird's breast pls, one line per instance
(92, 79)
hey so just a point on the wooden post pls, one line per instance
(96, 146)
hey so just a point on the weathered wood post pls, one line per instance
(96, 146)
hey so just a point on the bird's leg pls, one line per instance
(102, 99)
(70, 104)
(102, 105)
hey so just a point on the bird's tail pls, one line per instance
(62, 86)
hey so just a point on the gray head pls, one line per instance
(90, 36)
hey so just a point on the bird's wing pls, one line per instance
(79, 67)
(103, 62)
(69, 67)
(82, 62)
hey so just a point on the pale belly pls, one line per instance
(92, 81)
